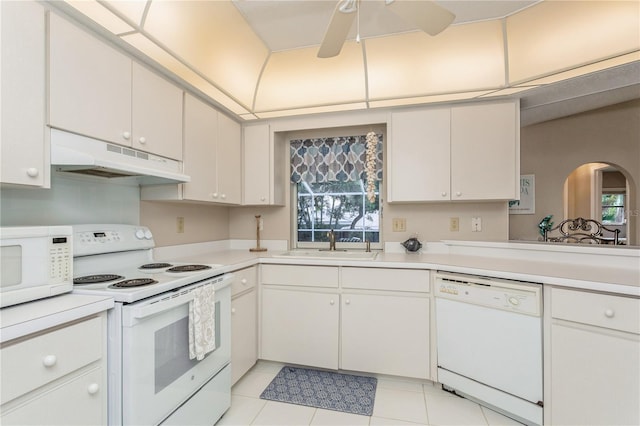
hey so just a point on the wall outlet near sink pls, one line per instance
(399, 224)
(180, 225)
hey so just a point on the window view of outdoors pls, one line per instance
(613, 209)
(341, 206)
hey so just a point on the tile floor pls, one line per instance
(398, 402)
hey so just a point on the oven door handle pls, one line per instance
(162, 305)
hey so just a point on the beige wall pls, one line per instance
(201, 222)
(553, 149)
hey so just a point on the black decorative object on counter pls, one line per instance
(412, 245)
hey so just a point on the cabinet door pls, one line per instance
(229, 165)
(81, 401)
(300, 327)
(595, 377)
(200, 140)
(258, 165)
(418, 155)
(385, 334)
(24, 159)
(157, 114)
(244, 335)
(485, 162)
(90, 84)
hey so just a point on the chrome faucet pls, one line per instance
(332, 240)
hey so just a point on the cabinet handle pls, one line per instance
(233, 310)
(32, 172)
(214, 195)
(262, 199)
(609, 313)
(444, 194)
(347, 302)
(49, 361)
(223, 196)
(243, 281)
(126, 135)
(332, 302)
(458, 194)
(93, 388)
(142, 140)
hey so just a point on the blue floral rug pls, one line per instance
(323, 389)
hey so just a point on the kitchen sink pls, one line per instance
(327, 254)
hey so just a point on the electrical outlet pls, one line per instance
(454, 224)
(476, 224)
(180, 225)
(399, 224)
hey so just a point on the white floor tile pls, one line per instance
(445, 410)
(496, 419)
(242, 412)
(381, 421)
(399, 384)
(253, 383)
(278, 413)
(337, 418)
(400, 404)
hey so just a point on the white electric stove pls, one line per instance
(152, 378)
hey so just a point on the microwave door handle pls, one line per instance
(162, 305)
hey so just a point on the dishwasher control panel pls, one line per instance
(496, 293)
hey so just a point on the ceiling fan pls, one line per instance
(425, 14)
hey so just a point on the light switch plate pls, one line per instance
(399, 224)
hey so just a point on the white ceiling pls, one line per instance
(292, 24)
(257, 58)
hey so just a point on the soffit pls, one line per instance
(256, 58)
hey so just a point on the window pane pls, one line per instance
(612, 209)
(341, 206)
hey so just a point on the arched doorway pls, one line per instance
(600, 191)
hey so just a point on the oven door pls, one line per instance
(157, 374)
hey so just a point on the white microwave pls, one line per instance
(35, 262)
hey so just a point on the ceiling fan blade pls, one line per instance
(337, 31)
(426, 15)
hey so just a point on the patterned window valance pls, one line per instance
(339, 159)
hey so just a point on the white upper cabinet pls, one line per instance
(468, 152)
(262, 167)
(419, 155)
(96, 91)
(229, 165)
(485, 151)
(156, 115)
(89, 84)
(212, 158)
(24, 156)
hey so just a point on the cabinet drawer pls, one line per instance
(602, 310)
(29, 364)
(81, 401)
(245, 279)
(386, 279)
(307, 276)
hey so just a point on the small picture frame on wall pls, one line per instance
(527, 202)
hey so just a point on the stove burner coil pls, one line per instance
(155, 265)
(134, 282)
(99, 278)
(188, 268)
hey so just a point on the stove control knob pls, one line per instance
(140, 234)
(148, 235)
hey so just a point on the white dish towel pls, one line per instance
(202, 322)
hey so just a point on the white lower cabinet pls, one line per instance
(56, 377)
(385, 334)
(300, 326)
(244, 322)
(373, 320)
(592, 373)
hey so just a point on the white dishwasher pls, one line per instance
(489, 342)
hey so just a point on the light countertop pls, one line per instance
(594, 276)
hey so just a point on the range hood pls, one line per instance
(79, 154)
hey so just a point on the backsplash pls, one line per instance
(72, 200)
